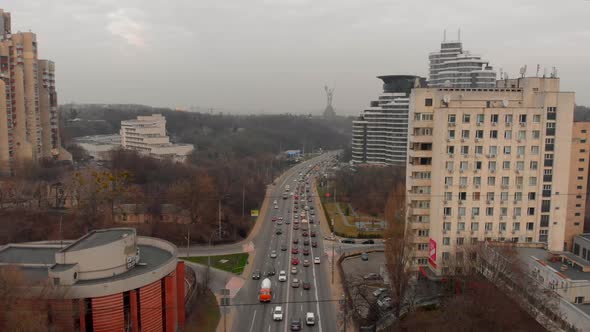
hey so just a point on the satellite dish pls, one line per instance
(446, 99)
(504, 102)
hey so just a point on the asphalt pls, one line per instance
(252, 316)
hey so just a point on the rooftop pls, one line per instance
(99, 238)
(572, 273)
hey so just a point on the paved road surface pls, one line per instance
(251, 315)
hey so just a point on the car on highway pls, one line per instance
(314, 244)
(312, 234)
(310, 319)
(364, 256)
(279, 222)
(295, 227)
(293, 269)
(369, 242)
(270, 272)
(273, 254)
(306, 262)
(385, 303)
(305, 251)
(295, 216)
(256, 275)
(274, 218)
(306, 285)
(280, 218)
(305, 242)
(294, 250)
(295, 283)
(282, 275)
(287, 221)
(305, 233)
(279, 231)
(284, 247)
(295, 261)
(296, 241)
(277, 313)
(276, 207)
(312, 213)
(371, 276)
(316, 260)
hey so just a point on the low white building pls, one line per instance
(99, 147)
(147, 135)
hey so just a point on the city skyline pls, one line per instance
(208, 55)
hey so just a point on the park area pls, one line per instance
(234, 263)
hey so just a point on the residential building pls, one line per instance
(147, 135)
(108, 280)
(28, 102)
(578, 181)
(380, 134)
(482, 166)
(454, 67)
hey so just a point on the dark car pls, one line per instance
(296, 324)
(314, 244)
(295, 241)
(305, 252)
(306, 285)
(371, 276)
(279, 231)
(295, 227)
(312, 234)
(365, 256)
(305, 242)
(256, 275)
(347, 241)
(369, 242)
(305, 233)
(283, 248)
(270, 272)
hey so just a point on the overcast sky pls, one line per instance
(275, 56)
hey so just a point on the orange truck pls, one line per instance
(265, 293)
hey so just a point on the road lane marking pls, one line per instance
(289, 264)
(253, 318)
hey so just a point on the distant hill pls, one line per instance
(581, 113)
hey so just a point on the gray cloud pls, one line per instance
(276, 55)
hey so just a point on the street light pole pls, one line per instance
(188, 240)
(333, 257)
(219, 216)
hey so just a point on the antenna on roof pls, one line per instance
(523, 71)
(544, 72)
(538, 68)
(444, 35)
(501, 74)
(554, 72)
(459, 34)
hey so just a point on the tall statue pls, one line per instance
(329, 111)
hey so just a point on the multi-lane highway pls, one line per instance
(253, 316)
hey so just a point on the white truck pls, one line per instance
(277, 314)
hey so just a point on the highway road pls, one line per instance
(253, 316)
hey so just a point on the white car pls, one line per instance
(310, 319)
(277, 314)
(273, 254)
(316, 260)
(282, 275)
(276, 206)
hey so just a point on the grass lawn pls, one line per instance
(205, 316)
(234, 263)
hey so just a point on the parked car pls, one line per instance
(369, 242)
(379, 291)
(385, 303)
(347, 241)
(277, 313)
(371, 276)
(293, 270)
(365, 256)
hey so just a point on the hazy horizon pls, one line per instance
(265, 56)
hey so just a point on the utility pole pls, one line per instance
(333, 257)
(243, 199)
(61, 241)
(345, 311)
(219, 216)
(188, 240)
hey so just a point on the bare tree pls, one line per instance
(365, 310)
(398, 247)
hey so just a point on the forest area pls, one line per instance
(235, 158)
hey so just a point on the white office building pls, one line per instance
(380, 134)
(147, 135)
(454, 67)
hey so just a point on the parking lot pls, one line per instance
(355, 266)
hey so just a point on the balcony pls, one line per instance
(419, 212)
(420, 139)
(419, 182)
(420, 153)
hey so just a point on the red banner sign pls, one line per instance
(432, 253)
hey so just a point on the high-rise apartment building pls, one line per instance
(578, 181)
(457, 68)
(147, 135)
(28, 101)
(489, 164)
(380, 134)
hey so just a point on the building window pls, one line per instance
(506, 165)
(428, 102)
(493, 150)
(536, 118)
(531, 211)
(446, 241)
(480, 118)
(489, 211)
(508, 118)
(508, 134)
(451, 134)
(475, 226)
(479, 134)
(516, 226)
(536, 134)
(460, 241)
(493, 134)
(466, 118)
(535, 149)
(448, 211)
(465, 134)
(452, 118)
(532, 181)
(530, 226)
(517, 212)
(494, 118)
(522, 118)
(489, 226)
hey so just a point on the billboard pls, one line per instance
(432, 253)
